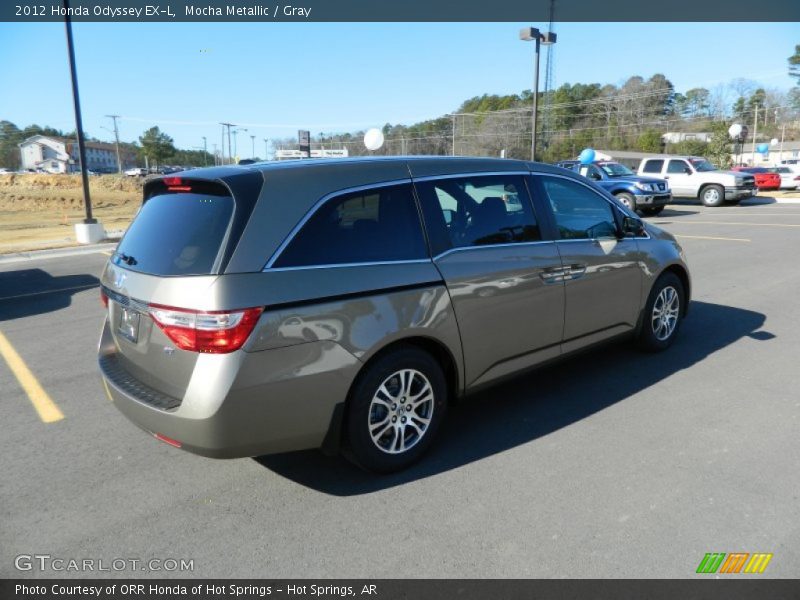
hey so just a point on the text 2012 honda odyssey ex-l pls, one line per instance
(343, 303)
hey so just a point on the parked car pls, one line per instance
(695, 177)
(136, 172)
(765, 179)
(790, 178)
(345, 302)
(647, 195)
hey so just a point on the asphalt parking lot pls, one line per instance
(611, 464)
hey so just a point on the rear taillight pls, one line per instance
(214, 332)
(103, 298)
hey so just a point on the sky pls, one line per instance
(276, 78)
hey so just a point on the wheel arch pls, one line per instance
(438, 350)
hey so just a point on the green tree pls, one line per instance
(156, 145)
(794, 64)
(649, 141)
(718, 150)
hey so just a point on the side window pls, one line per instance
(677, 166)
(477, 211)
(591, 172)
(381, 224)
(580, 213)
(653, 166)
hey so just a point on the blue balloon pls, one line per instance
(762, 148)
(586, 156)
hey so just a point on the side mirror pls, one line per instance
(595, 176)
(632, 227)
(687, 170)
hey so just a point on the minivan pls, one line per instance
(342, 304)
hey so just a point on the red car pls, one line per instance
(765, 179)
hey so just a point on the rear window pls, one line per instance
(177, 234)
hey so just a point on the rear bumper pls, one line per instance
(244, 403)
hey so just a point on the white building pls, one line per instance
(60, 155)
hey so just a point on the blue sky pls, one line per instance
(276, 78)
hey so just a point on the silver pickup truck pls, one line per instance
(695, 177)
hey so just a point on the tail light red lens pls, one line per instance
(103, 298)
(214, 332)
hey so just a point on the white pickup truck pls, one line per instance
(695, 177)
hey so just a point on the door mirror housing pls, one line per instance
(687, 170)
(632, 227)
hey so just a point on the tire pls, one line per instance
(712, 195)
(374, 431)
(663, 314)
(627, 199)
(653, 211)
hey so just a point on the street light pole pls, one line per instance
(253, 146)
(531, 34)
(266, 148)
(205, 152)
(78, 120)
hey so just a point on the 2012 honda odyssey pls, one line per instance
(344, 303)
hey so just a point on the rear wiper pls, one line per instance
(128, 260)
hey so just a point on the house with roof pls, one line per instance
(60, 155)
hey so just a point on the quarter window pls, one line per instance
(477, 211)
(653, 166)
(580, 213)
(377, 225)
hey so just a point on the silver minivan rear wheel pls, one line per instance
(395, 409)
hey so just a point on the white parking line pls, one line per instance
(706, 237)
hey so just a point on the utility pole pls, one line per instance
(215, 155)
(228, 125)
(266, 148)
(253, 143)
(783, 135)
(755, 130)
(116, 137)
(205, 152)
(453, 150)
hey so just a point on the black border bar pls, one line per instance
(276, 11)
(732, 588)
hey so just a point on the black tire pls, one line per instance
(651, 333)
(627, 199)
(712, 195)
(385, 454)
(653, 211)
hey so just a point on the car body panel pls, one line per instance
(494, 310)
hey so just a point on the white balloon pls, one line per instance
(373, 139)
(735, 130)
(774, 141)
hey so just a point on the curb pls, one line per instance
(55, 253)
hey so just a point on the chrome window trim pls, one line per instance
(486, 246)
(613, 206)
(313, 210)
(379, 263)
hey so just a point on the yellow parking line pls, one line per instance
(706, 237)
(47, 409)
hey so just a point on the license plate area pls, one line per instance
(128, 326)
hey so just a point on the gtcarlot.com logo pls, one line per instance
(47, 562)
(735, 562)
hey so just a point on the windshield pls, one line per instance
(701, 164)
(616, 170)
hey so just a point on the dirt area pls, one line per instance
(38, 211)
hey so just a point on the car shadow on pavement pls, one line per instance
(29, 292)
(536, 404)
